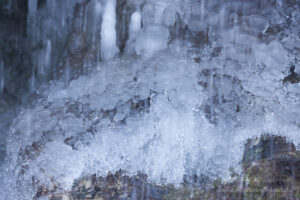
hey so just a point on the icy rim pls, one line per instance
(171, 111)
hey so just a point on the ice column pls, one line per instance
(134, 31)
(108, 31)
(135, 25)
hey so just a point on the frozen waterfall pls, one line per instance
(165, 87)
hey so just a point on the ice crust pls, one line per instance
(160, 111)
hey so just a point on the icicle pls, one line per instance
(67, 73)
(108, 31)
(48, 53)
(98, 10)
(32, 82)
(32, 8)
(2, 82)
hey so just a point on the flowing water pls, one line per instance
(165, 87)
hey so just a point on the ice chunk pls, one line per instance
(159, 12)
(152, 39)
(255, 24)
(291, 43)
(273, 56)
(169, 16)
(273, 15)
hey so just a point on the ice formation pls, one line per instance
(195, 80)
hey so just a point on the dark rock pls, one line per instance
(117, 186)
(124, 10)
(270, 163)
(197, 60)
(41, 4)
(180, 30)
(288, 165)
(109, 113)
(216, 51)
(203, 84)
(266, 147)
(293, 77)
(238, 108)
(141, 105)
(79, 140)
(273, 30)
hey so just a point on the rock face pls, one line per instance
(271, 170)
(117, 186)
(266, 147)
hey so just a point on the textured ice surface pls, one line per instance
(206, 76)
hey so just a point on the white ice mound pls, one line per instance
(167, 117)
